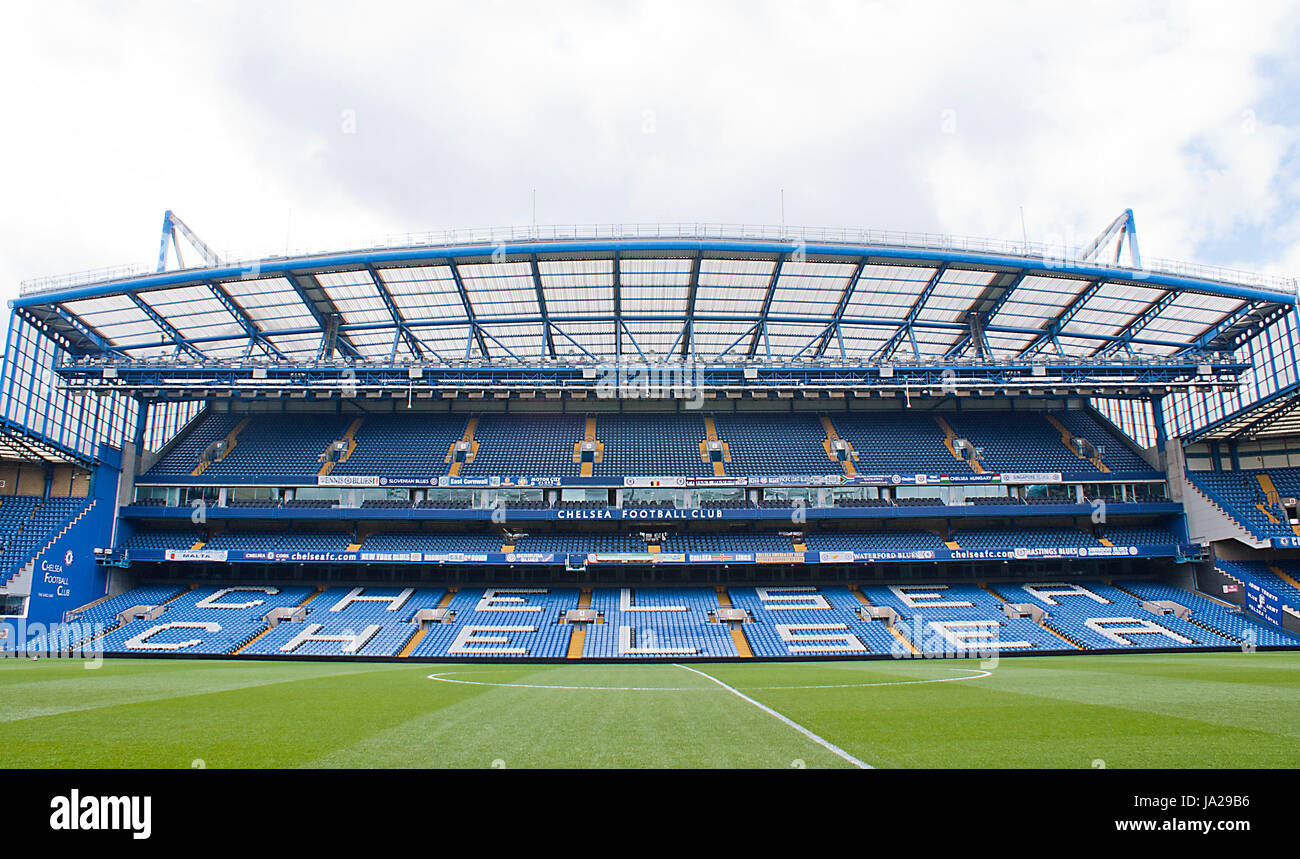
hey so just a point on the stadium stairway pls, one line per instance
(409, 647)
(950, 442)
(350, 439)
(414, 641)
(247, 644)
(1272, 506)
(1229, 523)
(737, 628)
(1067, 437)
(587, 467)
(468, 437)
(578, 637)
(253, 640)
(893, 629)
(232, 439)
(1046, 624)
(829, 445)
(710, 438)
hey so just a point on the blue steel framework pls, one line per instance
(786, 307)
(1265, 399)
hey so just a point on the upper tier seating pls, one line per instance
(280, 444)
(898, 442)
(297, 541)
(415, 445)
(536, 537)
(1239, 494)
(649, 445)
(434, 542)
(732, 543)
(1034, 440)
(872, 541)
(1117, 454)
(518, 445)
(1142, 535)
(410, 446)
(775, 444)
(1031, 538)
(182, 457)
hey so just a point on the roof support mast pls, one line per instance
(172, 225)
(1121, 228)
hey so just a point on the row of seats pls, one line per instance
(540, 541)
(417, 446)
(657, 623)
(706, 504)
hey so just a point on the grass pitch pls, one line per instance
(1176, 710)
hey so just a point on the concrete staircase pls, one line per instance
(1208, 520)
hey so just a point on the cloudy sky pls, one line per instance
(274, 125)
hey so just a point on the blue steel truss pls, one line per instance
(948, 337)
(1129, 378)
(838, 319)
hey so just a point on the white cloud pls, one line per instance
(234, 117)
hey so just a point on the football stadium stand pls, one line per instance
(539, 623)
(660, 446)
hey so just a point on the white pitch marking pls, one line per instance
(979, 674)
(826, 744)
(443, 677)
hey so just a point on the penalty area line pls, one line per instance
(824, 743)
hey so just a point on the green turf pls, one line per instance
(1179, 710)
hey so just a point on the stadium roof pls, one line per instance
(655, 293)
(1277, 414)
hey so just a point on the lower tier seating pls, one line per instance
(659, 623)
